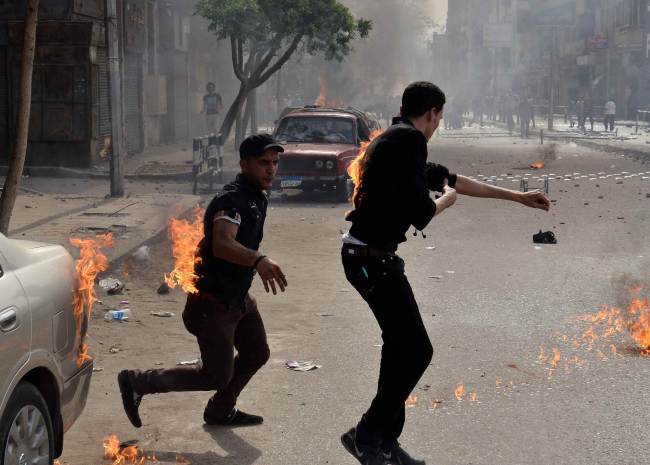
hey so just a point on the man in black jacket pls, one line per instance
(222, 315)
(392, 194)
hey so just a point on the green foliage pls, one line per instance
(325, 26)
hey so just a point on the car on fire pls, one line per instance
(42, 388)
(319, 145)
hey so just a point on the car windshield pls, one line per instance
(316, 129)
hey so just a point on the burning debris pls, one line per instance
(185, 237)
(91, 262)
(411, 401)
(126, 453)
(322, 100)
(459, 392)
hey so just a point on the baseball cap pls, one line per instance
(257, 144)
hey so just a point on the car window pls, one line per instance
(364, 130)
(321, 129)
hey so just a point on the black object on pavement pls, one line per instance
(547, 237)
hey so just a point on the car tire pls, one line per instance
(344, 190)
(26, 408)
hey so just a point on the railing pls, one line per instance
(207, 161)
(642, 117)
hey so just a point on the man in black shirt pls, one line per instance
(391, 195)
(222, 315)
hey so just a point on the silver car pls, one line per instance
(42, 390)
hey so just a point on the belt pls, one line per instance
(365, 251)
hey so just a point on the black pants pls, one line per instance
(406, 352)
(610, 121)
(219, 328)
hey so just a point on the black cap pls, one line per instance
(257, 144)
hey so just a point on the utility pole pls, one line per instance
(115, 78)
(551, 97)
(17, 162)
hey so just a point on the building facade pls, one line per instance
(167, 56)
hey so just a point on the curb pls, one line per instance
(63, 172)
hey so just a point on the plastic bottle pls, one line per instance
(117, 315)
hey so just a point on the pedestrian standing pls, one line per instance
(212, 106)
(580, 111)
(589, 112)
(222, 315)
(380, 220)
(610, 115)
(524, 117)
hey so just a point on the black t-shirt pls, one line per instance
(394, 192)
(245, 205)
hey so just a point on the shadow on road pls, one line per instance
(238, 451)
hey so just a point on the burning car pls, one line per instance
(43, 382)
(319, 145)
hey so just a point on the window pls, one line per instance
(317, 129)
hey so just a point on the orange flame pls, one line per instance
(91, 262)
(185, 237)
(124, 454)
(358, 165)
(538, 165)
(411, 401)
(459, 392)
(322, 100)
(555, 361)
(473, 397)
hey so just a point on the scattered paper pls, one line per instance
(302, 366)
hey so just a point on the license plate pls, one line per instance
(290, 182)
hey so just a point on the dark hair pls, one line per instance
(420, 97)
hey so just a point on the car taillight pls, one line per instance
(330, 165)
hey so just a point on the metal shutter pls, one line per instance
(102, 97)
(132, 102)
(4, 105)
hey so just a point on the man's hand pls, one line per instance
(270, 272)
(535, 199)
(449, 197)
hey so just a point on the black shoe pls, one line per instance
(236, 418)
(364, 455)
(398, 456)
(130, 399)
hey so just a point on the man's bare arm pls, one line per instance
(225, 246)
(473, 188)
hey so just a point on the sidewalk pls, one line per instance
(133, 221)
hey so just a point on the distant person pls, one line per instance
(580, 112)
(212, 106)
(589, 112)
(525, 110)
(610, 115)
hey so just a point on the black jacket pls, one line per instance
(242, 203)
(395, 185)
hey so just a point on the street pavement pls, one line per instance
(490, 298)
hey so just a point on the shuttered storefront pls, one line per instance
(133, 102)
(101, 97)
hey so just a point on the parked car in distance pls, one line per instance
(319, 145)
(42, 390)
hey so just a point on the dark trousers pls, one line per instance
(609, 122)
(219, 328)
(406, 352)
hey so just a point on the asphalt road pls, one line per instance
(489, 297)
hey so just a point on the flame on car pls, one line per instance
(91, 262)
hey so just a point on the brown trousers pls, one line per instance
(219, 329)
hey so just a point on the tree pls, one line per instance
(264, 34)
(17, 161)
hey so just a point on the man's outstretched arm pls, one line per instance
(473, 188)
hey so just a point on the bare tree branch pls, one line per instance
(273, 48)
(236, 64)
(281, 61)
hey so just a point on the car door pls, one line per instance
(15, 327)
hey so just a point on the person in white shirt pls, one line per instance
(610, 115)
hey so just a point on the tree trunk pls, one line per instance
(247, 114)
(232, 113)
(253, 99)
(238, 131)
(17, 161)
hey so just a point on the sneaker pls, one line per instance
(236, 418)
(398, 456)
(130, 399)
(365, 456)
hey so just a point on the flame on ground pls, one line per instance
(358, 165)
(459, 392)
(411, 401)
(91, 262)
(538, 165)
(185, 237)
(125, 454)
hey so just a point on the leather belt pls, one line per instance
(365, 251)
